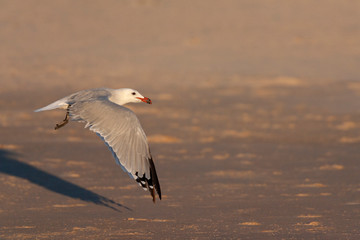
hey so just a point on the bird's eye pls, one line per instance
(133, 93)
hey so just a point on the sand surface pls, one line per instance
(254, 126)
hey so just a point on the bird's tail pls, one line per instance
(58, 104)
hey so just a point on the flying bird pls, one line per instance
(103, 112)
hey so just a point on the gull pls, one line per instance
(103, 112)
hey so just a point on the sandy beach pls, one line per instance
(254, 126)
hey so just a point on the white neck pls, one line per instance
(117, 97)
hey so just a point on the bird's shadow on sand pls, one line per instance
(11, 166)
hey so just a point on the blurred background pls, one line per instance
(254, 125)
(66, 42)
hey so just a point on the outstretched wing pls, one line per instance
(120, 129)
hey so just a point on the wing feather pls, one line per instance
(121, 131)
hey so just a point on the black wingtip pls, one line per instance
(152, 192)
(155, 180)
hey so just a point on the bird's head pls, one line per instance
(127, 95)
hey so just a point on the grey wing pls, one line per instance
(120, 129)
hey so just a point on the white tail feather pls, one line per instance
(58, 104)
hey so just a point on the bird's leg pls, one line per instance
(65, 121)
